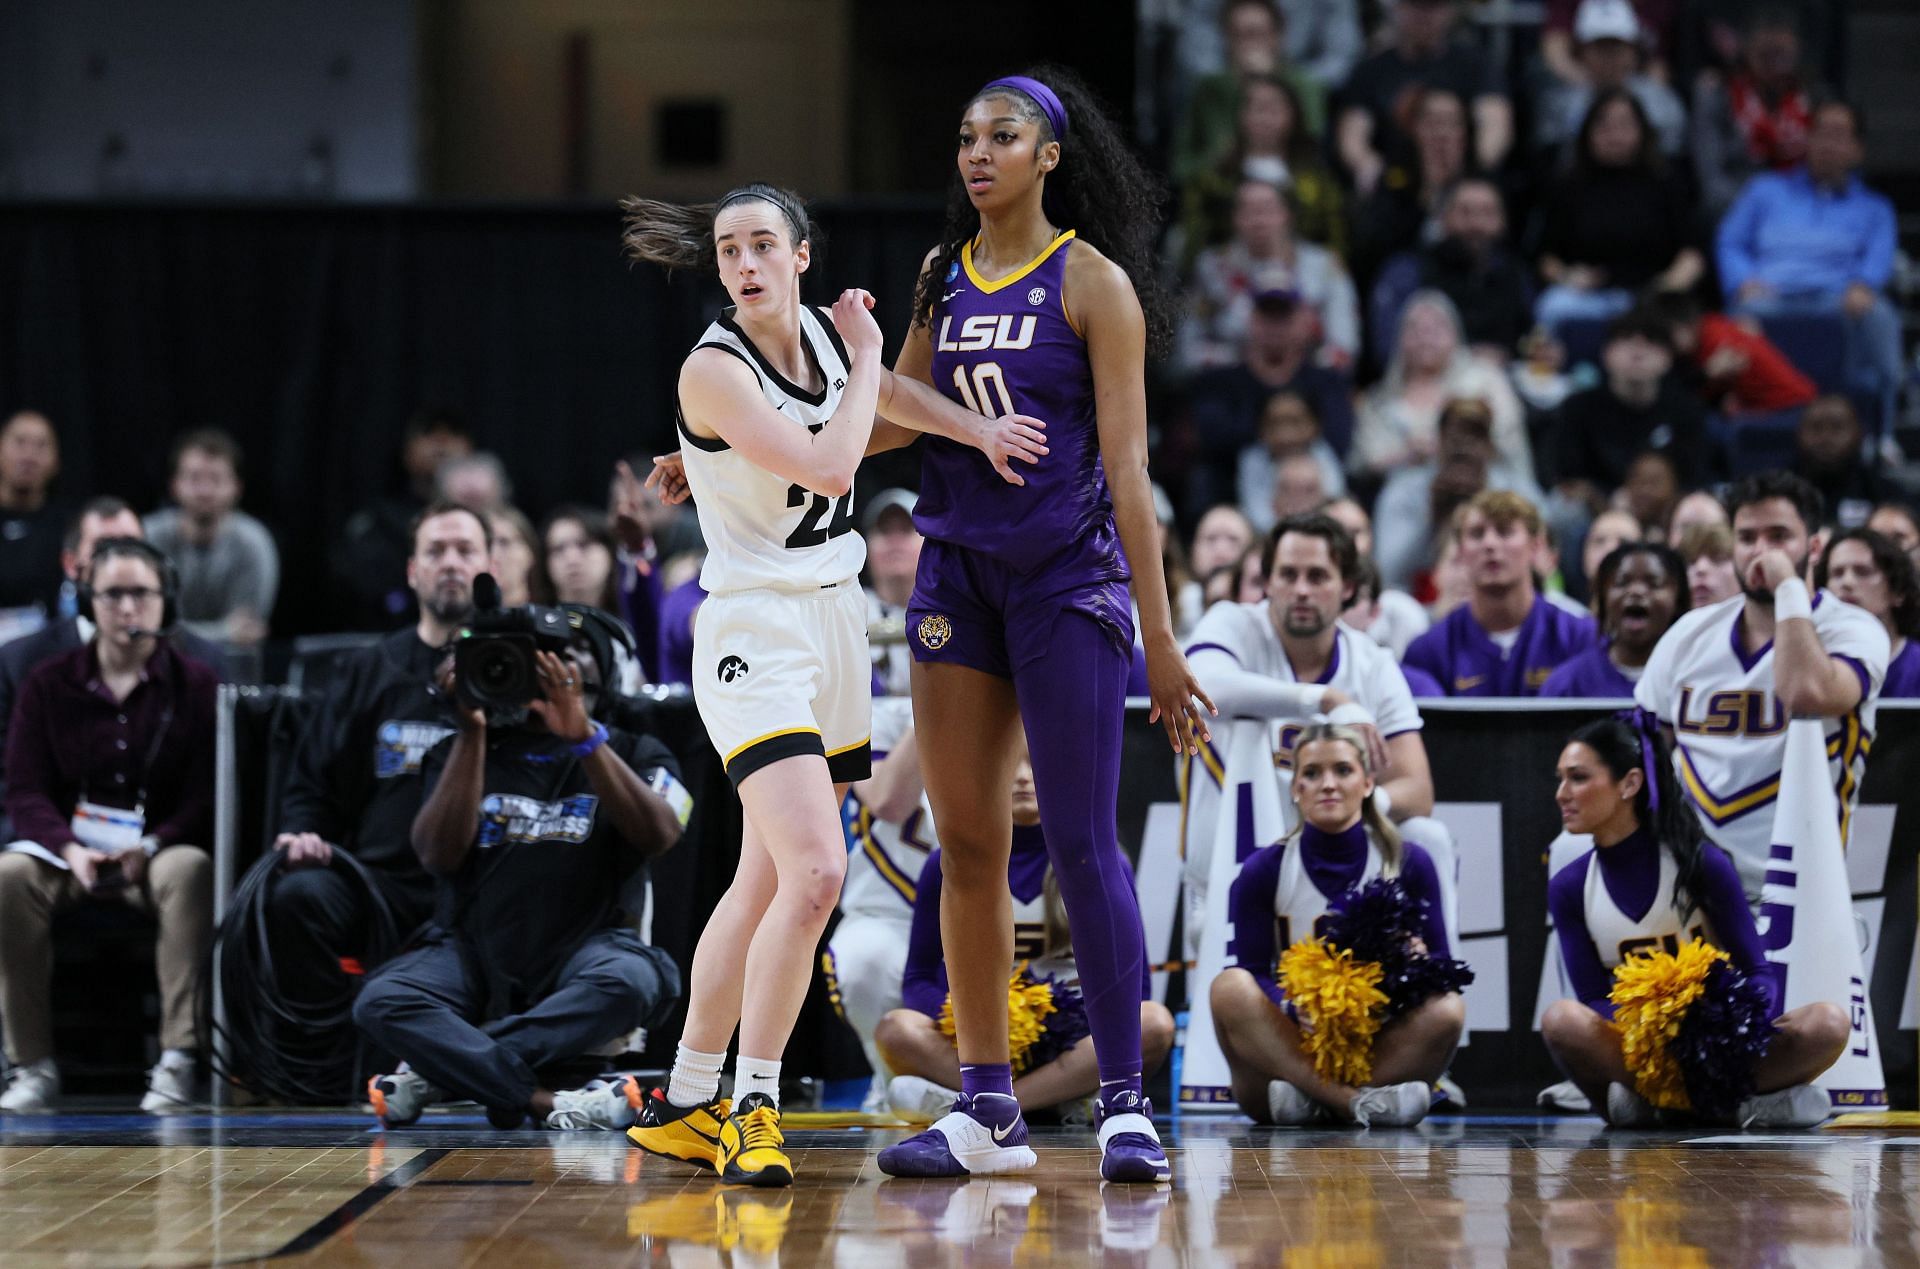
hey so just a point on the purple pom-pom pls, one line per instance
(1065, 1027)
(1725, 1031)
(1378, 922)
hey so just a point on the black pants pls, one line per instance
(319, 924)
(425, 1007)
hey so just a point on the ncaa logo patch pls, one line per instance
(953, 270)
(732, 668)
(934, 632)
(1037, 296)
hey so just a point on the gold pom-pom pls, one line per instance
(1029, 1003)
(1651, 995)
(1338, 1000)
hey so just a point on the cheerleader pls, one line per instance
(1650, 884)
(1282, 894)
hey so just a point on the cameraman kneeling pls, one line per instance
(535, 819)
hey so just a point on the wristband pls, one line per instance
(1790, 600)
(595, 738)
(1350, 714)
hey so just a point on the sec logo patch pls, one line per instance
(934, 632)
(1037, 296)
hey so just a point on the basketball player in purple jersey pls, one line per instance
(1032, 303)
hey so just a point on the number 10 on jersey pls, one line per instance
(976, 397)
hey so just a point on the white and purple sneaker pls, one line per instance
(982, 1134)
(1130, 1149)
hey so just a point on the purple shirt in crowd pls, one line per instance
(1903, 673)
(71, 740)
(1591, 676)
(676, 631)
(1467, 662)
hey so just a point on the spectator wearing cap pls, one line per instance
(1225, 405)
(1421, 53)
(1265, 257)
(1471, 264)
(1619, 222)
(1638, 406)
(228, 565)
(1817, 240)
(1608, 48)
(1400, 415)
(1832, 456)
(1567, 29)
(1417, 503)
(893, 556)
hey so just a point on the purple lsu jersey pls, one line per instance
(1467, 661)
(1009, 347)
(1903, 673)
(1590, 676)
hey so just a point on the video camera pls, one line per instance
(493, 658)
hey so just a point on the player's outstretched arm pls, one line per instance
(910, 403)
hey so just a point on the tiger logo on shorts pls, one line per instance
(935, 630)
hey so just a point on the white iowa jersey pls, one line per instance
(1298, 904)
(884, 868)
(762, 530)
(1617, 936)
(1730, 735)
(1244, 632)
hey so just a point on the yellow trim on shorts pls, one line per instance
(834, 753)
(772, 735)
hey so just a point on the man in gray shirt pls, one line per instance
(229, 567)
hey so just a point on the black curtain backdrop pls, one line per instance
(313, 333)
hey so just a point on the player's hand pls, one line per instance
(669, 478)
(1769, 569)
(303, 850)
(562, 703)
(853, 318)
(467, 716)
(1176, 696)
(1009, 437)
(632, 518)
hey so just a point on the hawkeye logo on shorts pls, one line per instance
(732, 668)
(400, 744)
(934, 632)
(508, 817)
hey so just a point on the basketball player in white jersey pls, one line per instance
(1727, 678)
(777, 406)
(1288, 658)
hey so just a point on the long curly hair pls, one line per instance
(1100, 189)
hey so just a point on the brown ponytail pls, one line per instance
(680, 236)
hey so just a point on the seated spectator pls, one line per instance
(1471, 265)
(1452, 585)
(1638, 406)
(1563, 35)
(475, 480)
(1255, 34)
(1707, 551)
(354, 787)
(1832, 456)
(1507, 638)
(1401, 211)
(579, 552)
(1274, 144)
(100, 518)
(1698, 507)
(1289, 429)
(1342, 843)
(1399, 417)
(1817, 240)
(515, 562)
(1650, 492)
(1225, 405)
(1756, 117)
(535, 822)
(1417, 503)
(1264, 257)
(892, 833)
(1896, 521)
(1872, 572)
(1639, 588)
(228, 565)
(30, 524)
(1738, 369)
(1299, 486)
(371, 555)
(893, 558)
(1250, 585)
(1617, 223)
(924, 1056)
(1398, 617)
(1608, 42)
(1323, 38)
(1420, 53)
(1221, 538)
(1611, 528)
(110, 788)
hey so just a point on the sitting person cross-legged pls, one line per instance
(1055, 1068)
(536, 820)
(109, 778)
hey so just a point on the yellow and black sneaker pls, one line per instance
(690, 1134)
(750, 1144)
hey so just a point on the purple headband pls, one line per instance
(1042, 96)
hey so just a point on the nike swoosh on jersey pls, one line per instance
(950, 294)
(1469, 683)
